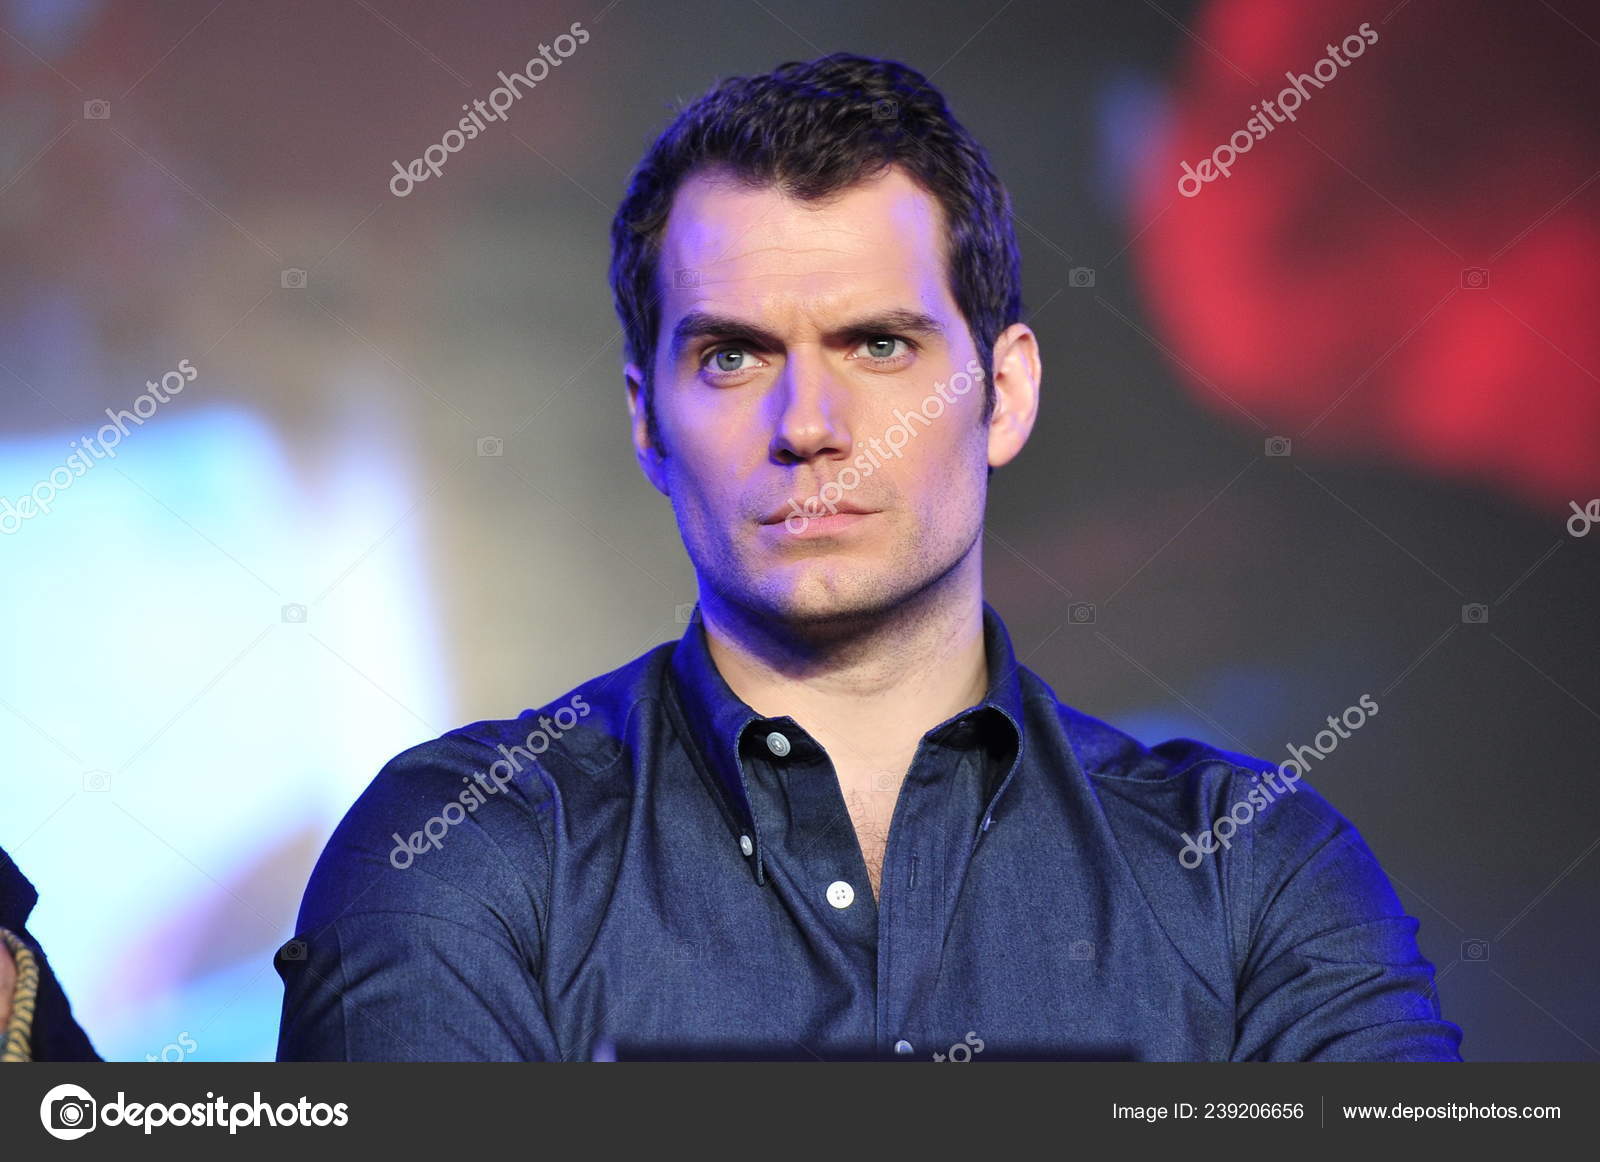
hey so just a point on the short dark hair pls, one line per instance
(814, 128)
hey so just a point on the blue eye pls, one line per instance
(884, 348)
(729, 359)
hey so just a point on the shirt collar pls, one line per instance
(721, 727)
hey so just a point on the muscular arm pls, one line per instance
(1333, 971)
(433, 960)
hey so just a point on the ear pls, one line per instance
(648, 455)
(1017, 373)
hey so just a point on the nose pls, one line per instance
(811, 420)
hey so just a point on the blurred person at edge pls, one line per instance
(818, 278)
(36, 1022)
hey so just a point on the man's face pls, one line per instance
(795, 339)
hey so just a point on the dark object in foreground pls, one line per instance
(49, 1032)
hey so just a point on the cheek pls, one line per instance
(944, 449)
(705, 483)
(948, 478)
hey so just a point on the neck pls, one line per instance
(866, 686)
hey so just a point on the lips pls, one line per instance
(813, 509)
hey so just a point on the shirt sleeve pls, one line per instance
(430, 955)
(1332, 971)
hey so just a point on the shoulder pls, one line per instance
(1250, 821)
(1212, 832)
(469, 810)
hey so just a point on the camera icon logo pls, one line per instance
(491, 446)
(685, 612)
(294, 614)
(293, 950)
(97, 780)
(293, 279)
(1475, 614)
(1475, 278)
(68, 1112)
(1475, 951)
(97, 110)
(685, 279)
(1080, 950)
(1080, 276)
(684, 951)
(1279, 445)
(1081, 613)
(885, 110)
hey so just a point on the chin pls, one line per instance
(820, 595)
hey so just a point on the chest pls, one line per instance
(870, 794)
(1032, 953)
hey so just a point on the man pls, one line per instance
(837, 818)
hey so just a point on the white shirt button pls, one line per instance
(841, 894)
(777, 744)
(902, 1046)
(745, 845)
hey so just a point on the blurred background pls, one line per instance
(1327, 426)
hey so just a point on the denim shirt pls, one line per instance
(646, 867)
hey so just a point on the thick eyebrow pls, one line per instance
(704, 325)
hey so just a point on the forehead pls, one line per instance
(762, 251)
